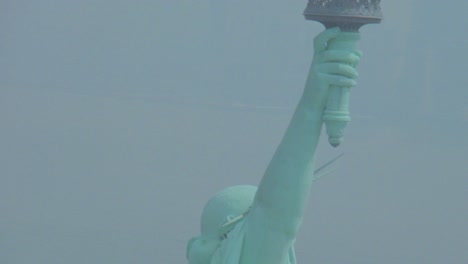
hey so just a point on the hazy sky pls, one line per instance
(119, 119)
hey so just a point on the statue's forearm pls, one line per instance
(284, 190)
(285, 187)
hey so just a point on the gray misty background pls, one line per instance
(119, 119)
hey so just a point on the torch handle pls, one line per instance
(336, 114)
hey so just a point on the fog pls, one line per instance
(119, 119)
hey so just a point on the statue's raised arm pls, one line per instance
(243, 225)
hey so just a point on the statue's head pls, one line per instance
(220, 215)
(225, 209)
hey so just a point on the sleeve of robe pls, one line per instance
(230, 250)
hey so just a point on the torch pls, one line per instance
(349, 15)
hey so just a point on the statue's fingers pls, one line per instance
(341, 81)
(321, 40)
(359, 54)
(338, 69)
(342, 56)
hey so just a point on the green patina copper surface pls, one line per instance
(249, 225)
(349, 16)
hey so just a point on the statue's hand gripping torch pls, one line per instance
(349, 15)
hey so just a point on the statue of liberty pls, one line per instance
(250, 225)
